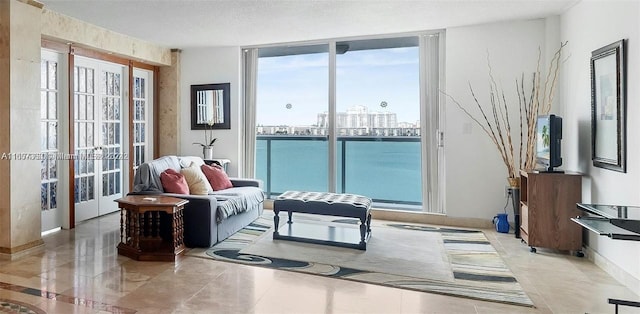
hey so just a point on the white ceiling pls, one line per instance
(202, 23)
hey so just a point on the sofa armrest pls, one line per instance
(246, 182)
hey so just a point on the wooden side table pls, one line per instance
(151, 227)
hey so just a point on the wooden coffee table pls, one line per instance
(151, 227)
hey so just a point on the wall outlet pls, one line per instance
(507, 191)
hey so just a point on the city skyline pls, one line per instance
(349, 111)
(355, 121)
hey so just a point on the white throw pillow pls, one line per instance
(186, 161)
(196, 180)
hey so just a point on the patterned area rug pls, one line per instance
(465, 264)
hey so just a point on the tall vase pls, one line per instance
(514, 192)
(207, 152)
(515, 198)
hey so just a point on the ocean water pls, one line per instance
(386, 171)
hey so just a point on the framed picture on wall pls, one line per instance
(210, 106)
(608, 107)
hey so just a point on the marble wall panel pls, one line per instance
(21, 178)
(169, 107)
(26, 87)
(5, 165)
(64, 28)
(5, 20)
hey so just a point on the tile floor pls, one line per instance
(80, 271)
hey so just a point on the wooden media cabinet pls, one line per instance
(547, 204)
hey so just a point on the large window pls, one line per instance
(292, 150)
(349, 111)
(378, 119)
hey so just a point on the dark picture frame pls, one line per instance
(608, 107)
(210, 106)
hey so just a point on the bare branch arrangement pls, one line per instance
(495, 121)
(538, 103)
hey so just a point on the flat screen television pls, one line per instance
(548, 137)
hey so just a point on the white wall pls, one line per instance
(588, 26)
(475, 173)
(209, 66)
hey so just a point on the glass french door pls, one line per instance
(142, 117)
(99, 115)
(53, 175)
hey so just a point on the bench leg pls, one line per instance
(290, 213)
(369, 223)
(276, 223)
(363, 232)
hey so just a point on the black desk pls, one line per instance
(614, 221)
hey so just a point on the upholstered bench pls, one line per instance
(330, 204)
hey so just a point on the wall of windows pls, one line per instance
(346, 116)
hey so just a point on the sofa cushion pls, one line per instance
(237, 200)
(174, 182)
(198, 184)
(217, 177)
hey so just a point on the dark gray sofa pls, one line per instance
(208, 219)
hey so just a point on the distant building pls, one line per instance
(358, 117)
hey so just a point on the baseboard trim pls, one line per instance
(612, 269)
(430, 218)
(420, 217)
(21, 250)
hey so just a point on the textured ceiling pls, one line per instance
(191, 23)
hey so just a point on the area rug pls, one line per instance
(449, 261)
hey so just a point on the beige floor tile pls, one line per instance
(36, 282)
(57, 307)
(29, 266)
(418, 302)
(21, 297)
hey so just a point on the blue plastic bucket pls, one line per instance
(501, 222)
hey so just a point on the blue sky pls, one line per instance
(365, 77)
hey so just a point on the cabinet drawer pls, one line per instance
(524, 218)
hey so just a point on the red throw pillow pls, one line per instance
(174, 182)
(217, 177)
